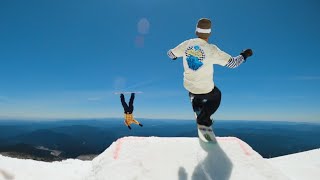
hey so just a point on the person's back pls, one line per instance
(199, 56)
(198, 59)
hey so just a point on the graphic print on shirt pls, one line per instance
(195, 56)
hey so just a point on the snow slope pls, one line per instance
(181, 158)
(17, 169)
(304, 165)
(152, 158)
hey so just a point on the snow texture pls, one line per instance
(304, 165)
(17, 169)
(155, 158)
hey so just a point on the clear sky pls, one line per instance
(64, 59)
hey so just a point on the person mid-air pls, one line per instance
(128, 116)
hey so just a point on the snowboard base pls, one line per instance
(128, 92)
(206, 134)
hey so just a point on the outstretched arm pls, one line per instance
(177, 51)
(171, 55)
(236, 61)
(137, 122)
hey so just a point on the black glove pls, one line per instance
(246, 53)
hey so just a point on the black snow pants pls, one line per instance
(205, 105)
(126, 108)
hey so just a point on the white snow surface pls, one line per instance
(18, 169)
(169, 158)
(303, 165)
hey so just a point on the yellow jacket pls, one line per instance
(128, 119)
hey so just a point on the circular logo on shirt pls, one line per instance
(194, 56)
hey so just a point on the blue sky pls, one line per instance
(64, 59)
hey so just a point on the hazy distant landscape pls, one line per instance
(57, 140)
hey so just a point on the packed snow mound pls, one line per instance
(145, 158)
(18, 169)
(142, 158)
(304, 165)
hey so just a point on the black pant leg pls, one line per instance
(124, 104)
(214, 102)
(197, 103)
(208, 104)
(198, 106)
(130, 109)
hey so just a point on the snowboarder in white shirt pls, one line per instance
(198, 59)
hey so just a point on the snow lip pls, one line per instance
(180, 157)
(119, 142)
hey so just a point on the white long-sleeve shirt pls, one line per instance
(198, 59)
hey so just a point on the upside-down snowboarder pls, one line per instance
(128, 116)
(198, 59)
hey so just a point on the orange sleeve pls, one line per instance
(135, 121)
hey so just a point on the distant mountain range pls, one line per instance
(26, 151)
(57, 140)
(21, 140)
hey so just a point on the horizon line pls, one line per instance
(144, 118)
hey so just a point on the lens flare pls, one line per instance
(139, 41)
(143, 26)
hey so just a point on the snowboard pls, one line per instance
(128, 92)
(205, 133)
